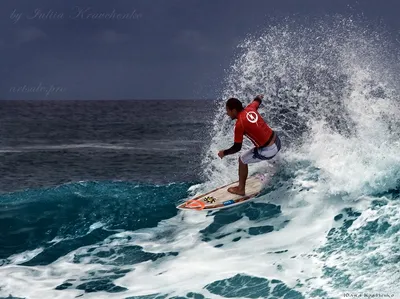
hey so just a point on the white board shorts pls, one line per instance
(256, 155)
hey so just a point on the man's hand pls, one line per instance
(261, 96)
(221, 154)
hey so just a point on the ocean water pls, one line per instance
(89, 189)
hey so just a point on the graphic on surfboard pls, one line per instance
(220, 198)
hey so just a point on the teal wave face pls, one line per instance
(66, 217)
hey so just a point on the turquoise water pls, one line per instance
(91, 238)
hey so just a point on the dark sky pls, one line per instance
(162, 49)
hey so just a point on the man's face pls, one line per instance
(231, 113)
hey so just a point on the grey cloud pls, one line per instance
(110, 36)
(195, 40)
(28, 34)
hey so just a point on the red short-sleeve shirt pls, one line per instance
(250, 123)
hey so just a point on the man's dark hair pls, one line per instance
(234, 103)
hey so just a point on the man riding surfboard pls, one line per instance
(250, 123)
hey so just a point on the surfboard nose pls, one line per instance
(193, 204)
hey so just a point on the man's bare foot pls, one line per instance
(236, 190)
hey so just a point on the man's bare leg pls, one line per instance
(243, 172)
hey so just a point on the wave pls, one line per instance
(331, 94)
(60, 219)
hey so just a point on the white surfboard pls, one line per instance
(220, 198)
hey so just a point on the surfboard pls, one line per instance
(220, 198)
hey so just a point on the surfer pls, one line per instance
(250, 123)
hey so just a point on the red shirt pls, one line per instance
(250, 123)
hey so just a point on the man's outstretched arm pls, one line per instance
(238, 139)
(237, 146)
(259, 98)
(256, 102)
